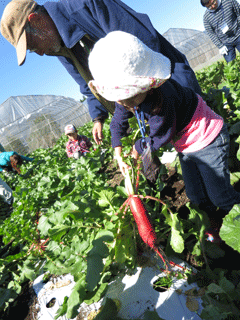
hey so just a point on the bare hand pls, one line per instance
(97, 132)
(134, 153)
(123, 167)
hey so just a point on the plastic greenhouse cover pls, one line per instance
(24, 118)
(22, 107)
(188, 40)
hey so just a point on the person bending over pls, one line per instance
(68, 29)
(77, 145)
(12, 161)
(139, 80)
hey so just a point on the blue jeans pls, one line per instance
(232, 50)
(206, 174)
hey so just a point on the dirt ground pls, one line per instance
(26, 307)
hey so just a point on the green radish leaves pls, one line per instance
(72, 206)
(230, 229)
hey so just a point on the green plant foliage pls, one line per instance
(163, 282)
(231, 227)
(66, 216)
(109, 311)
(220, 300)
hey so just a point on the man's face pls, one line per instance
(212, 4)
(42, 35)
(72, 136)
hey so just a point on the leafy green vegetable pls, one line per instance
(230, 229)
(70, 206)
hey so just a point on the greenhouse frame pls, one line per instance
(31, 122)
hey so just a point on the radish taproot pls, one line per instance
(142, 219)
(141, 216)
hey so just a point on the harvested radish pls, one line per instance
(143, 220)
(141, 217)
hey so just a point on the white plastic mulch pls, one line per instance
(135, 293)
(51, 296)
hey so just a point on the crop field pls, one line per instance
(68, 217)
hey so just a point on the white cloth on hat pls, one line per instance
(123, 66)
(70, 128)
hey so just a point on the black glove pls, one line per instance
(153, 170)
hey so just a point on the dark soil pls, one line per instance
(25, 307)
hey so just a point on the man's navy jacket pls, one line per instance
(96, 18)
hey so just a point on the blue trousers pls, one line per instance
(232, 50)
(207, 177)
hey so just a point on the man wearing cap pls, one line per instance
(77, 145)
(68, 29)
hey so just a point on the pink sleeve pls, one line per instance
(85, 142)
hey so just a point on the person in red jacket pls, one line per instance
(77, 145)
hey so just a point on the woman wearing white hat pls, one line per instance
(131, 74)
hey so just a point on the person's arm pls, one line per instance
(96, 110)
(134, 153)
(89, 143)
(119, 125)
(123, 166)
(85, 143)
(97, 131)
(24, 158)
(118, 128)
(211, 33)
(236, 8)
(69, 150)
(1, 164)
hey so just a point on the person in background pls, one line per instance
(77, 145)
(139, 80)
(12, 161)
(68, 29)
(222, 23)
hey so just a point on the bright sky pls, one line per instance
(46, 75)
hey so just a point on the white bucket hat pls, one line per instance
(123, 66)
